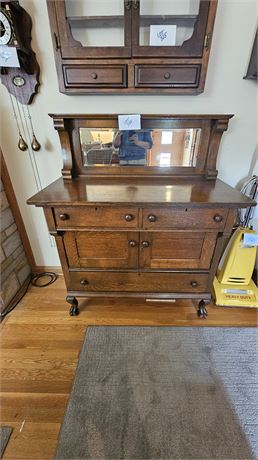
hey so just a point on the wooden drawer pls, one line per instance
(84, 76)
(142, 282)
(96, 216)
(184, 218)
(167, 75)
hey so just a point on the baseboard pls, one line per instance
(42, 269)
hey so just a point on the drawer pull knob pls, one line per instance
(194, 284)
(152, 218)
(63, 216)
(167, 75)
(132, 243)
(83, 282)
(94, 75)
(129, 217)
(217, 218)
(145, 244)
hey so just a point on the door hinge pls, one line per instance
(57, 44)
(207, 40)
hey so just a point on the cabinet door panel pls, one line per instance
(177, 250)
(102, 249)
(171, 28)
(93, 29)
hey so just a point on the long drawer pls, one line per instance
(184, 218)
(143, 282)
(96, 216)
(167, 75)
(87, 76)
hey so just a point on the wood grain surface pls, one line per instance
(40, 345)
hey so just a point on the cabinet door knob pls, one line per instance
(63, 216)
(217, 218)
(132, 243)
(152, 218)
(94, 75)
(129, 217)
(145, 244)
(167, 75)
(83, 282)
(194, 284)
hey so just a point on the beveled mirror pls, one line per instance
(145, 147)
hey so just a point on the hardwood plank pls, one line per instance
(35, 441)
(40, 344)
(32, 407)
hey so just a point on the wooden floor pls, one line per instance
(40, 344)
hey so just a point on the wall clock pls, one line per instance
(6, 30)
(15, 31)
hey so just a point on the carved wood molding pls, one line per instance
(60, 126)
(220, 125)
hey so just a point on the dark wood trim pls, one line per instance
(8, 188)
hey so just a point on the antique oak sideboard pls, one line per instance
(152, 227)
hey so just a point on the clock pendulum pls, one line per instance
(22, 144)
(34, 143)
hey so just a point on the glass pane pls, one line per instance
(167, 22)
(96, 22)
(157, 147)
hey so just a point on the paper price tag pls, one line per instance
(8, 56)
(250, 239)
(128, 122)
(163, 35)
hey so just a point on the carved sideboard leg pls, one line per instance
(202, 312)
(74, 310)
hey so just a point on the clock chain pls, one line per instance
(34, 143)
(22, 144)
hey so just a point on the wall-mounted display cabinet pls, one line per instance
(131, 46)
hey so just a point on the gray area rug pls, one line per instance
(163, 393)
(5, 433)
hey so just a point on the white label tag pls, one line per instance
(8, 56)
(162, 35)
(250, 239)
(128, 122)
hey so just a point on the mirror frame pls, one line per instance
(212, 127)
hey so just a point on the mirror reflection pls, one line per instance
(144, 147)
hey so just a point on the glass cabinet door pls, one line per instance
(170, 28)
(94, 28)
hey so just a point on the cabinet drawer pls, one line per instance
(95, 76)
(96, 216)
(184, 218)
(143, 282)
(167, 76)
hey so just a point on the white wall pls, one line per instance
(225, 92)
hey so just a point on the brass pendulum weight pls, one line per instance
(34, 143)
(22, 144)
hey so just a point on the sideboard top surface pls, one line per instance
(106, 191)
